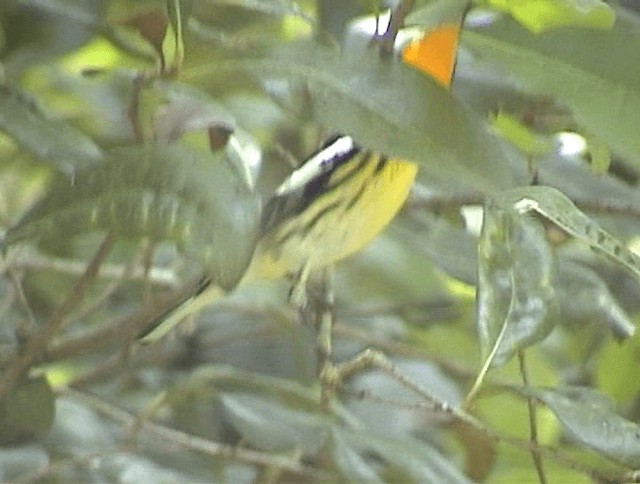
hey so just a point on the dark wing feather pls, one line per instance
(283, 206)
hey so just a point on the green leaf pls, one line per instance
(36, 31)
(271, 426)
(600, 155)
(516, 299)
(560, 210)
(413, 459)
(585, 298)
(52, 141)
(350, 461)
(27, 411)
(274, 7)
(517, 277)
(388, 107)
(18, 461)
(514, 131)
(516, 290)
(452, 249)
(161, 192)
(590, 72)
(616, 371)
(173, 43)
(590, 419)
(436, 12)
(541, 15)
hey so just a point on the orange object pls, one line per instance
(435, 53)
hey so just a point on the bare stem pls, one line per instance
(190, 442)
(533, 425)
(37, 344)
(369, 359)
(387, 40)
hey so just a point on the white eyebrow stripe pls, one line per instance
(317, 165)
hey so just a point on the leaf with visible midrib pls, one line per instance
(590, 418)
(595, 73)
(388, 107)
(52, 141)
(158, 191)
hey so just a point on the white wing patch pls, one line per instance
(317, 165)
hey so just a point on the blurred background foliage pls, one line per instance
(114, 117)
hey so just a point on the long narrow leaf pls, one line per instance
(592, 72)
(157, 191)
(390, 108)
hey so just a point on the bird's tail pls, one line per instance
(202, 294)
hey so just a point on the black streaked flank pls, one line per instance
(355, 198)
(203, 284)
(311, 223)
(282, 207)
(382, 162)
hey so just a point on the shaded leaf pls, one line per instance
(161, 192)
(189, 110)
(39, 30)
(516, 270)
(186, 109)
(272, 426)
(590, 72)
(390, 108)
(557, 208)
(616, 372)
(436, 12)
(349, 460)
(516, 300)
(406, 421)
(129, 467)
(27, 411)
(519, 135)
(579, 182)
(275, 7)
(152, 27)
(52, 141)
(600, 155)
(173, 48)
(590, 419)
(541, 15)
(412, 458)
(452, 249)
(585, 298)
(78, 429)
(15, 462)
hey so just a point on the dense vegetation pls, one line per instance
(136, 142)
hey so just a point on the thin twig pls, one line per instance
(369, 359)
(22, 330)
(33, 260)
(319, 307)
(533, 424)
(116, 330)
(133, 112)
(437, 203)
(36, 346)
(191, 442)
(396, 22)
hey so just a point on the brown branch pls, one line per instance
(437, 203)
(37, 344)
(370, 359)
(133, 111)
(192, 443)
(533, 423)
(117, 330)
(396, 22)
